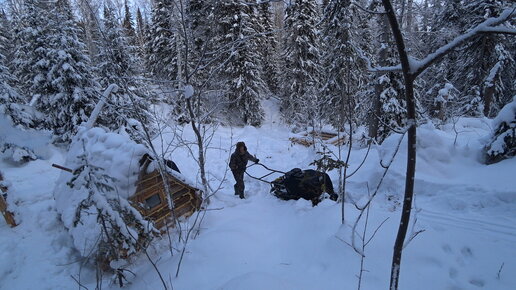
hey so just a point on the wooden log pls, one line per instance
(61, 167)
(186, 199)
(8, 216)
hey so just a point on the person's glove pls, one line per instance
(257, 161)
(334, 197)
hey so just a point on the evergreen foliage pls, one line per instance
(69, 93)
(117, 66)
(122, 230)
(162, 52)
(141, 34)
(241, 71)
(343, 70)
(481, 69)
(52, 68)
(268, 47)
(502, 144)
(300, 102)
(128, 24)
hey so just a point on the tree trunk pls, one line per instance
(411, 151)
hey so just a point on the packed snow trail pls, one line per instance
(468, 212)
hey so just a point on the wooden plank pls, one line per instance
(182, 211)
(180, 193)
(8, 216)
(145, 192)
(175, 188)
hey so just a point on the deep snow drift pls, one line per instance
(466, 209)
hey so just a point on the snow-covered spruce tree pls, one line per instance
(89, 27)
(118, 66)
(503, 140)
(30, 39)
(12, 103)
(268, 46)
(162, 52)
(481, 70)
(118, 229)
(201, 16)
(6, 37)
(7, 92)
(241, 71)
(342, 68)
(389, 105)
(141, 34)
(128, 24)
(8, 95)
(68, 91)
(300, 76)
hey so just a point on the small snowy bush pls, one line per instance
(114, 228)
(502, 144)
(93, 201)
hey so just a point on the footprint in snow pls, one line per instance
(467, 252)
(477, 282)
(453, 273)
(446, 248)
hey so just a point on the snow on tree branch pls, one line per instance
(491, 25)
(488, 26)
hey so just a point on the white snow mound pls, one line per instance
(118, 156)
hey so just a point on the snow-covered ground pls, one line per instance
(466, 209)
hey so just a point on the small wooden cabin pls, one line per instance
(151, 199)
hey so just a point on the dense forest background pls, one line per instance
(320, 60)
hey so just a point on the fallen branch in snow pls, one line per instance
(363, 161)
(500, 271)
(79, 283)
(372, 196)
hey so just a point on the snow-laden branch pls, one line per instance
(499, 29)
(113, 88)
(367, 60)
(488, 26)
(491, 25)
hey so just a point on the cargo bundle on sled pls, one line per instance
(307, 184)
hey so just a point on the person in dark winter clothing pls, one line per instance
(238, 164)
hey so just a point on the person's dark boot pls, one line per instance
(242, 196)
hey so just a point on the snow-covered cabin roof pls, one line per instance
(116, 154)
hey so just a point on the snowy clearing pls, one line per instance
(467, 210)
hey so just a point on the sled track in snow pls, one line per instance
(506, 231)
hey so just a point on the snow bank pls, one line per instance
(16, 143)
(507, 114)
(117, 155)
(503, 137)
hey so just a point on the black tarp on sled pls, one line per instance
(307, 184)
